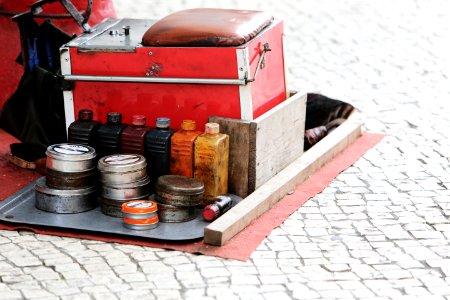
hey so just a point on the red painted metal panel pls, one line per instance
(172, 62)
(269, 89)
(176, 101)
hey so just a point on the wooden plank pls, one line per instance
(239, 153)
(228, 225)
(278, 139)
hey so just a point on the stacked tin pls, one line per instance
(140, 215)
(123, 178)
(70, 184)
(177, 198)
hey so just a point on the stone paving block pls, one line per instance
(10, 295)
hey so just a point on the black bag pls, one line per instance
(35, 112)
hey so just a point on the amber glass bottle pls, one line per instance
(182, 149)
(132, 139)
(211, 153)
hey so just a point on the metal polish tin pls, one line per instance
(122, 168)
(146, 224)
(133, 190)
(113, 208)
(71, 181)
(64, 201)
(174, 214)
(70, 158)
(179, 191)
(139, 209)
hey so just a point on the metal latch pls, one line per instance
(261, 62)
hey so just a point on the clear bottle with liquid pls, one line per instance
(182, 149)
(211, 152)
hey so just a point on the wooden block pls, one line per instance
(239, 132)
(276, 139)
(262, 199)
(261, 148)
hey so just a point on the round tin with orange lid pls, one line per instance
(139, 209)
(138, 223)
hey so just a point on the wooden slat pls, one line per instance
(228, 225)
(239, 153)
(278, 139)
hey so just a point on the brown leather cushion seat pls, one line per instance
(207, 27)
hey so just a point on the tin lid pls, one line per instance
(85, 115)
(119, 163)
(139, 207)
(149, 221)
(114, 118)
(138, 120)
(211, 128)
(177, 184)
(70, 152)
(188, 125)
(42, 187)
(162, 123)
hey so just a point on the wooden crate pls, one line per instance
(261, 148)
(267, 195)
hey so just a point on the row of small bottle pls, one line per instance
(185, 152)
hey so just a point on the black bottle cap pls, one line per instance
(114, 118)
(85, 115)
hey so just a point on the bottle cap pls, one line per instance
(139, 207)
(212, 128)
(85, 115)
(210, 212)
(114, 118)
(138, 120)
(162, 122)
(188, 125)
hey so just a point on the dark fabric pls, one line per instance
(321, 110)
(207, 27)
(35, 112)
(323, 115)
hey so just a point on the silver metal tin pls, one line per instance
(127, 191)
(113, 208)
(64, 201)
(173, 214)
(140, 227)
(71, 181)
(139, 216)
(122, 168)
(180, 191)
(70, 157)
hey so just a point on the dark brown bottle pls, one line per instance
(157, 149)
(84, 129)
(220, 205)
(133, 137)
(108, 135)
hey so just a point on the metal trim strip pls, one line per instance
(138, 79)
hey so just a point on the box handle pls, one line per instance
(261, 62)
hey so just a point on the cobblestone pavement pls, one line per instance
(380, 230)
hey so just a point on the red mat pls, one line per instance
(245, 242)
